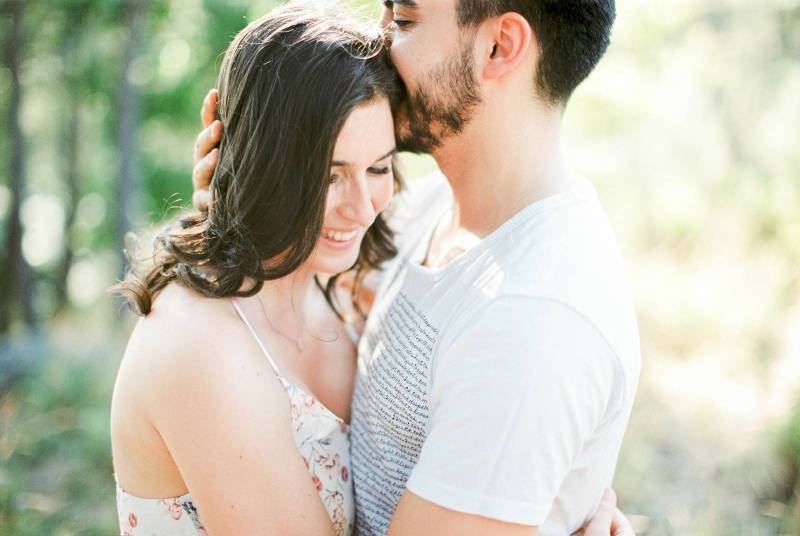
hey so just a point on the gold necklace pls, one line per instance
(298, 342)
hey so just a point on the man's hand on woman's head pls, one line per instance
(206, 153)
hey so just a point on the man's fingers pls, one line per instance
(201, 199)
(620, 525)
(206, 153)
(204, 170)
(209, 110)
(206, 141)
(601, 522)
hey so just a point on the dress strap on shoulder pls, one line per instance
(240, 314)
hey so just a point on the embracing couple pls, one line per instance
(318, 355)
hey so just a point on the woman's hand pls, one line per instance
(608, 520)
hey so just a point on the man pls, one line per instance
(499, 364)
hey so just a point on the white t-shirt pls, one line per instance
(501, 384)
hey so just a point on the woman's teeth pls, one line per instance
(339, 236)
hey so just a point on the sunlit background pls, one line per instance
(690, 129)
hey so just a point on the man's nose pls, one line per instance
(386, 19)
(385, 24)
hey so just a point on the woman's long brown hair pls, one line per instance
(287, 84)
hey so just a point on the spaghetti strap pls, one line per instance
(247, 323)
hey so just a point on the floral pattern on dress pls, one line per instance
(175, 515)
(323, 441)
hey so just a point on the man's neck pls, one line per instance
(503, 161)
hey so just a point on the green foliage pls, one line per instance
(55, 460)
(789, 448)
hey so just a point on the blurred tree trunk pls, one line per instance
(72, 132)
(16, 284)
(128, 120)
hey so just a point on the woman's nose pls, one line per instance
(358, 204)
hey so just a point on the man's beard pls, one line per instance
(442, 105)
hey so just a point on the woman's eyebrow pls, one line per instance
(392, 152)
(342, 163)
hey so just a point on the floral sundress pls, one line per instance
(323, 440)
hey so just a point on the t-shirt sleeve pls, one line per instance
(514, 400)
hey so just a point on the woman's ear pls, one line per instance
(509, 39)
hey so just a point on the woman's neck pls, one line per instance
(285, 301)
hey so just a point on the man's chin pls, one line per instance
(408, 143)
(412, 140)
(405, 137)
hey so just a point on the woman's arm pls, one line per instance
(225, 418)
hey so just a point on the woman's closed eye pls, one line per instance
(375, 171)
(379, 170)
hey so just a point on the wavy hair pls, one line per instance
(287, 84)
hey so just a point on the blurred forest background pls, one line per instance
(690, 128)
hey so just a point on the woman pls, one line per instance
(242, 428)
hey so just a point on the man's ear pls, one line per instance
(508, 40)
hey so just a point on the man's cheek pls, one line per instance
(398, 59)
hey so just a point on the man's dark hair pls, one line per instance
(572, 34)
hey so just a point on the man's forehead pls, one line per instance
(430, 8)
(406, 3)
(426, 5)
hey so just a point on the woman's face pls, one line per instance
(361, 185)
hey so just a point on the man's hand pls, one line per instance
(206, 153)
(608, 520)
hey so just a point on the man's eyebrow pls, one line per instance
(346, 164)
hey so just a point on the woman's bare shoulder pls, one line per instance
(190, 344)
(182, 318)
(197, 377)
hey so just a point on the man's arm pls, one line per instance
(414, 513)
(515, 400)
